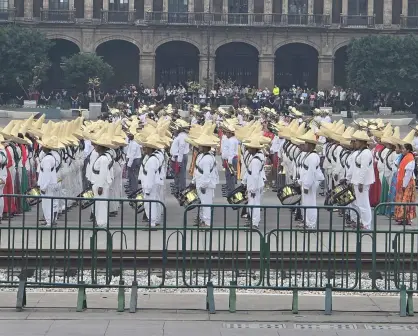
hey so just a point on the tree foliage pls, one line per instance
(23, 52)
(383, 63)
(80, 68)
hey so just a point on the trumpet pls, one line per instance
(232, 170)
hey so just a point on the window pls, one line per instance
(4, 5)
(298, 7)
(58, 4)
(357, 7)
(177, 6)
(413, 8)
(118, 5)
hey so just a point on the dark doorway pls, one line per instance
(176, 62)
(60, 49)
(296, 64)
(123, 56)
(340, 62)
(237, 61)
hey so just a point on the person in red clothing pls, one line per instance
(375, 188)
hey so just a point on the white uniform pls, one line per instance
(149, 173)
(48, 184)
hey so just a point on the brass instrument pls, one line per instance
(139, 206)
(33, 192)
(88, 196)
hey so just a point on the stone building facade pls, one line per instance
(256, 42)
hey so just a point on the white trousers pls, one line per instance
(116, 189)
(1, 199)
(49, 206)
(152, 208)
(101, 207)
(206, 198)
(362, 205)
(255, 212)
(309, 199)
(161, 198)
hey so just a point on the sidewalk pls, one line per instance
(167, 314)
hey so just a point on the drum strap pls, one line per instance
(49, 154)
(357, 163)
(306, 167)
(387, 159)
(97, 172)
(200, 170)
(327, 152)
(262, 164)
(143, 164)
(333, 153)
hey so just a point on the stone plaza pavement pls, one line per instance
(169, 314)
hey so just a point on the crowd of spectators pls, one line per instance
(182, 95)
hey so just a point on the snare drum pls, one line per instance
(289, 194)
(189, 197)
(33, 192)
(87, 201)
(238, 196)
(342, 195)
(139, 196)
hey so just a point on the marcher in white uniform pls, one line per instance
(254, 179)
(363, 177)
(205, 176)
(102, 178)
(47, 179)
(310, 177)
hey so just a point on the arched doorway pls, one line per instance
(340, 62)
(237, 61)
(296, 64)
(176, 62)
(123, 56)
(61, 48)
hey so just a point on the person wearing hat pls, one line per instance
(133, 156)
(3, 173)
(405, 185)
(310, 177)
(48, 179)
(254, 178)
(151, 174)
(102, 177)
(363, 176)
(229, 154)
(179, 152)
(205, 176)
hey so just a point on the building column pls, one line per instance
(45, 4)
(387, 13)
(206, 5)
(250, 6)
(70, 4)
(225, 6)
(28, 9)
(344, 7)
(105, 5)
(147, 69)
(328, 9)
(165, 6)
(190, 6)
(285, 7)
(148, 7)
(370, 7)
(266, 71)
(88, 9)
(203, 69)
(325, 72)
(310, 6)
(404, 7)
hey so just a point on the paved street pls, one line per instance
(53, 314)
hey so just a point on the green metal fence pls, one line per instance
(129, 255)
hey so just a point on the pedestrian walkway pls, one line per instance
(170, 314)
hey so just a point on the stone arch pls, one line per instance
(176, 39)
(301, 41)
(123, 56)
(224, 42)
(340, 62)
(238, 61)
(115, 38)
(61, 49)
(64, 37)
(176, 62)
(340, 45)
(296, 63)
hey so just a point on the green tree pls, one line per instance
(383, 63)
(23, 53)
(80, 68)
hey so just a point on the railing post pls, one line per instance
(210, 298)
(134, 298)
(295, 301)
(81, 298)
(402, 301)
(328, 299)
(121, 296)
(232, 297)
(21, 295)
(410, 304)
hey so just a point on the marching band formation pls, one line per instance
(358, 166)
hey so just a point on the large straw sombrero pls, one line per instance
(409, 138)
(309, 137)
(153, 142)
(206, 141)
(51, 142)
(361, 136)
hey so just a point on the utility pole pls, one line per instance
(208, 51)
